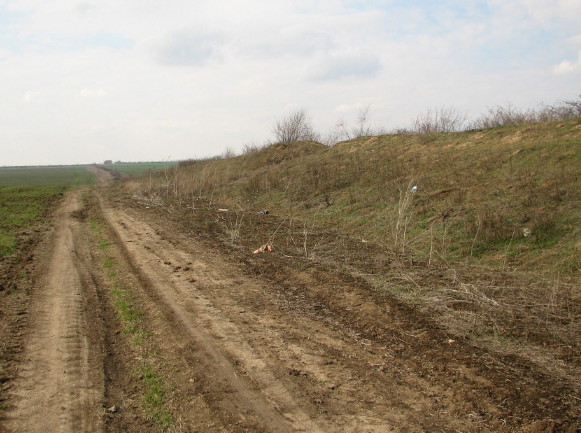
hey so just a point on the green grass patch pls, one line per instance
(131, 318)
(140, 168)
(96, 226)
(108, 264)
(21, 207)
(155, 391)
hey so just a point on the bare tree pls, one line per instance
(445, 119)
(363, 129)
(295, 126)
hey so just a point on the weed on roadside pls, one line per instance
(131, 318)
(155, 391)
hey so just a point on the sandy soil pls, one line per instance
(252, 344)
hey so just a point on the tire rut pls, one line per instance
(282, 367)
(263, 399)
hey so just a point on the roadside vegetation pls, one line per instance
(507, 197)
(477, 227)
(131, 318)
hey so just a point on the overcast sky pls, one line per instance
(137, 80)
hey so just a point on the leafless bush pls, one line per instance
(510, 115)
(573, 107)
(503, 116)
(563, 110)
(343, 132)
(295, 126)
(251, 148)
(542, 312)
(445, 119)
(234, 223)
(228, 153)
(406, 197)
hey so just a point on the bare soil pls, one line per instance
(248, 343)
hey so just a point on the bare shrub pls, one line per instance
(343, 132)
(563, 110)
(445, 119)
(295, 126)
(404, 214)
(251, 148)
(503, 116)
(573, 107)
(510, 115)
(234, 223)
(228, 153)
(536, 312)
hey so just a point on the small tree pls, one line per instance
(295, 126)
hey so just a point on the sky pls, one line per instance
(143, 80)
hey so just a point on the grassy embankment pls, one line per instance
(505, 197)
(489, 245)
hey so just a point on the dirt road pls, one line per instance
(59, 386)
(249, 344)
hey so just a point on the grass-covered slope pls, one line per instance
(507, 197)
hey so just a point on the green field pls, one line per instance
(46, 176)
(27, 192)
(19, 208)
(139, 168)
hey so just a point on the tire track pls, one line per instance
(284, 370)
(265, 400)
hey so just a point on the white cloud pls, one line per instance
(188, 48)
(92, 93)
(344, 65)
(30, 97)
(350, 108)
(145, 80)
(566, 67)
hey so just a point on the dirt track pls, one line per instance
(59, 387)
(251, 343)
